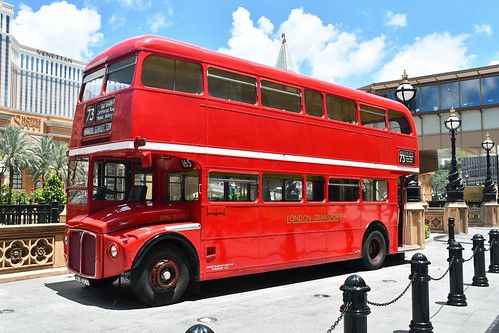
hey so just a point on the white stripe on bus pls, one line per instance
(239, 153)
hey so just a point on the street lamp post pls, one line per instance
(405, 92)
(455, 186)
(489, 192)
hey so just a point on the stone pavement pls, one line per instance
(297, 300)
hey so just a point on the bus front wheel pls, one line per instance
(162, 277)
(374, 250)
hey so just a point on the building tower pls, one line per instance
(284, 58)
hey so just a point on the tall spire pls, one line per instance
(284, 58)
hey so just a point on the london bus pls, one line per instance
(187, 165)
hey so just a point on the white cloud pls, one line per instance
(252, 42)
(330, 53)
(483, 29)
(435, 53)
(117, 21)
(157, 22)
(136, 4)
(59, 28)
(396, 20)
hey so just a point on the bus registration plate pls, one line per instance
(82, 280)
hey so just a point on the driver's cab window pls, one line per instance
(118, 180)
(183, 185)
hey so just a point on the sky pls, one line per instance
(353, 43)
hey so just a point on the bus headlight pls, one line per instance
(113, 251)
(66, 240)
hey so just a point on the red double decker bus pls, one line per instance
(189, 165)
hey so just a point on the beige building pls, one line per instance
(38, 89)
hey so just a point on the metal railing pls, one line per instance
(19, 214)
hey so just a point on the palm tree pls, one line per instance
(59, 160)
(16, 151)
(51, 158)
(44, 151)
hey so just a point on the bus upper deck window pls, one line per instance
(398, 123)
(120, 74)
(92, 84)
(280, 96)
(171, 74)
(372, 117)
(313, 103)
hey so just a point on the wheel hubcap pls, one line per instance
(164, 275)
(374, 249)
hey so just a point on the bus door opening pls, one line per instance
(401, 210)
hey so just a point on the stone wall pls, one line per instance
(31, 247)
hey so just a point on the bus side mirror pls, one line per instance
(146, 159)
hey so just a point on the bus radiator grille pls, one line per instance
(82, 252)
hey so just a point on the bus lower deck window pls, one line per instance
(232, 187)
(183, 185)
(374, 190)
(282, 187)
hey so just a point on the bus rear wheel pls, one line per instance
(162, 277)
(374, 250)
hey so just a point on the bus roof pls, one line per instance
(178, 49)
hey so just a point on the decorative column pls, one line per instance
(489, 209)
(414, 231)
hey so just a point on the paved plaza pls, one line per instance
(297, 300)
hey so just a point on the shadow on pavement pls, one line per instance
(121, 297)
(494, 328)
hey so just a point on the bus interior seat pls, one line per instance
(139, 192)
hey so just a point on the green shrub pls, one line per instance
(5, 193)
(37, 195)
(20, 197)
(54, 190)
(427, 231)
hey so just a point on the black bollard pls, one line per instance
(494, 251)
(479, 278)
(199, 328)
(420, 295)
(355, 315)
(451, 225)
(456, 295)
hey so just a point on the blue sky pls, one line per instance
(353, 43)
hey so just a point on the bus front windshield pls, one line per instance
(77, 181)
(118, 180)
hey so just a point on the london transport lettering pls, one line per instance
(315, 218)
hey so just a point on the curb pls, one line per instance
(11, 277)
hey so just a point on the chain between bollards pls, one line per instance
(445, 273)
(337, 321)
(396, 298)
